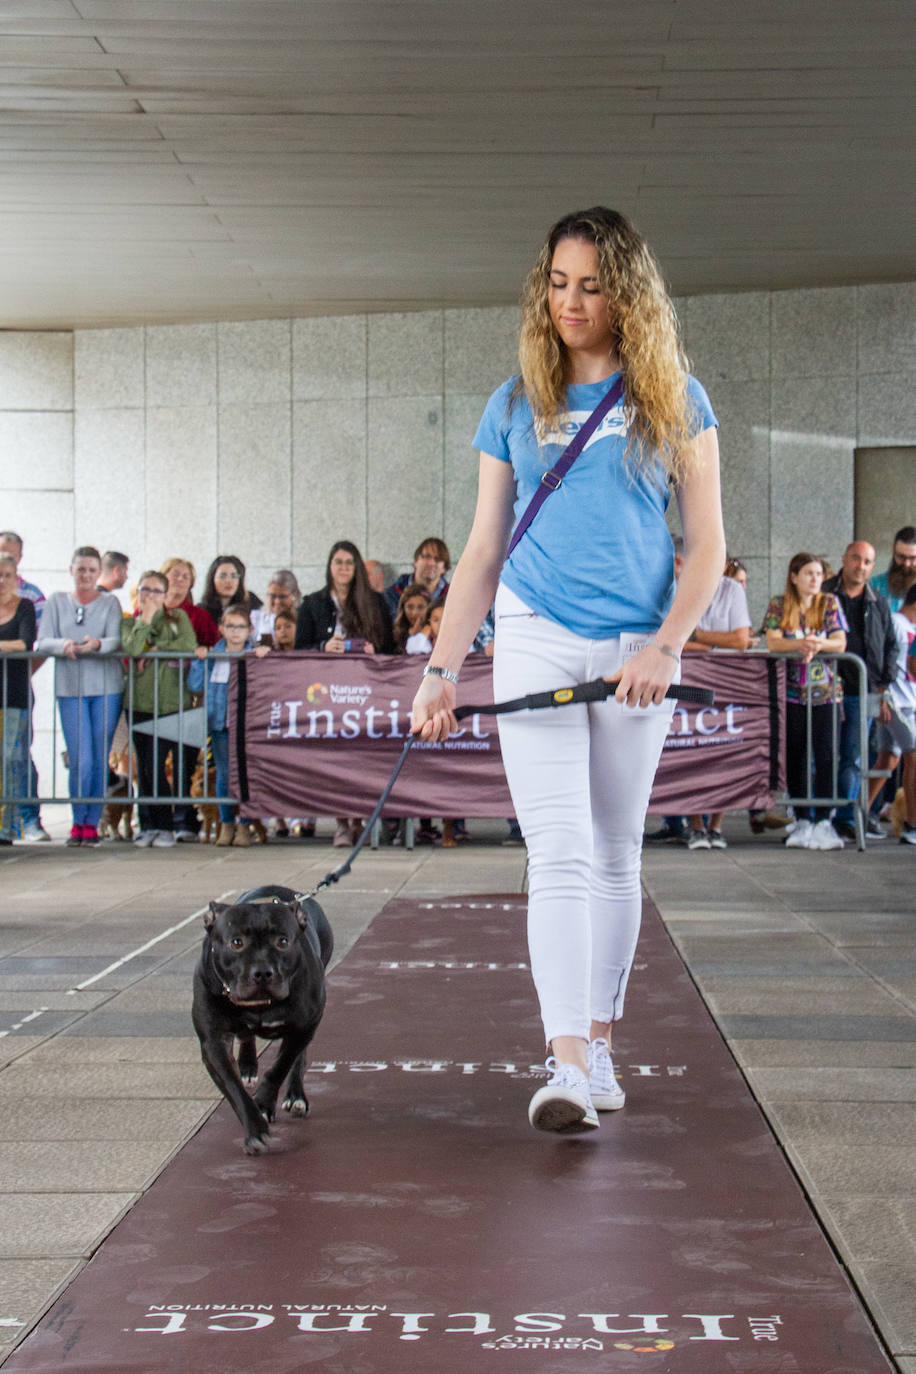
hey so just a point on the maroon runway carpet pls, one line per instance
(415, 1223)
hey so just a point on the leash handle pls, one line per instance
(597, 690)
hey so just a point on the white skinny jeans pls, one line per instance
(580, 778)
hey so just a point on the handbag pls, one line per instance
(553, 478)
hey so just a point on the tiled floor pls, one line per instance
(808, 962)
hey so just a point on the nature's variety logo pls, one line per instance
(315, 692)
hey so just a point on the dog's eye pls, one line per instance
(237, 942)
(281, 941)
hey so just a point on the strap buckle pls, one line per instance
(551, 481)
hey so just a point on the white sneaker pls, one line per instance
(34, 831)
(801, 836)
(825, 837)
(144, 839)
(163, 839)
(698, 839)
(564, 1105)
(606, 1093)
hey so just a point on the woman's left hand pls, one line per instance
(88, 646)
(644, 678)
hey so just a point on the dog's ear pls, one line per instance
(215, 909)
(300, 915)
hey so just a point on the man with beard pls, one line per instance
(870, 635)
(901, 575)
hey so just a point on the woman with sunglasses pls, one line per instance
(76, 627)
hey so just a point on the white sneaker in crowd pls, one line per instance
(163, 839)
(606, 1093)
(144, 839)
(34, 831)
(716, 839)
(800, 838)
(825, 837)
(564, 1105)
(698, 839)
(908, 833)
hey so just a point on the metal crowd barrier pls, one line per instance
(860, 803)
(185, 731)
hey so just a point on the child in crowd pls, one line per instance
(423, 640)
(897, 738)
(235, 625)
(285, 629)
(412, 611)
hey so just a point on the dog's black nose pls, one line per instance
(262, 975)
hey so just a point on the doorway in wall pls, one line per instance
(885, 496)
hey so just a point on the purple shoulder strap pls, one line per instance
(554, 477)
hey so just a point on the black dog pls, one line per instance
(261, 972)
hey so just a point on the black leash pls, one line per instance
(598, 690)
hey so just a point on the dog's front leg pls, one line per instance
(220, 1065)
(292, 1048)
(248, 1060)
(295, 1102)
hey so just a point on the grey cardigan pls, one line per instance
(88, 675)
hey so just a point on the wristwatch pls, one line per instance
(433, 670)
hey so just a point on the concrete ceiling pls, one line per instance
(179, 160)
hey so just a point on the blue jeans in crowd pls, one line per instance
(849, 768)
(219, 745)
(31, 814)
(89, 725)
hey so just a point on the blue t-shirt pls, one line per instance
(598, 557)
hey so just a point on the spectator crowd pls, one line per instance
(110, 723)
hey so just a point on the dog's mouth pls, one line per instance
(257, 995)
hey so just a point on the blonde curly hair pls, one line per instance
(645, 331)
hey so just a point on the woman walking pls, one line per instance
(587, 590)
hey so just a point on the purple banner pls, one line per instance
(728, 756)
(322, 732)
(319, 734)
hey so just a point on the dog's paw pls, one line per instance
(255, 1145)
(296, 1106)
(266, 1103)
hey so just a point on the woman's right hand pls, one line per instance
(335, 645)
(432, 716)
